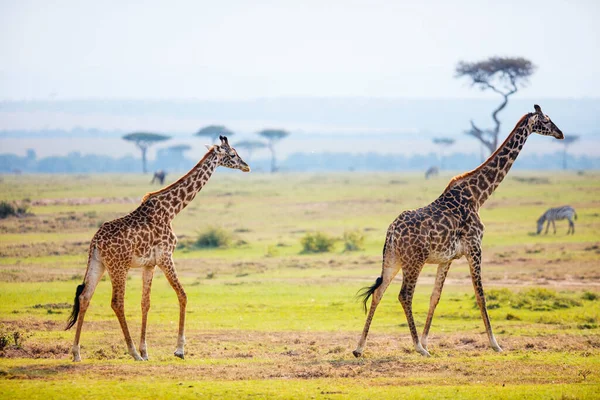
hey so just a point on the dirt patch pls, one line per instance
(238, 355)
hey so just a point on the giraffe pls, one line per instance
(448, 229)
(144, 239)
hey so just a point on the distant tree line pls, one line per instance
(173, 160)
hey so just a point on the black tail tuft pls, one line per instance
(73, 317)
(366, 292)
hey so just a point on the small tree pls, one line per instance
(143, 140)
(443, 142)
(250, 146)
(273, 136)
(214, 131)
(566, 142)
(502, 75)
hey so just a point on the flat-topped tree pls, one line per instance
(143, 140)
(569, 140)
(214, 131)
(273, 136)
(250, 145)
(443, 142)
(502, 75)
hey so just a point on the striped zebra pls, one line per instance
(554, 214)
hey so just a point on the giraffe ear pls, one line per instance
(537, 108)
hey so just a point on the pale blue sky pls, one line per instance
(250, 49)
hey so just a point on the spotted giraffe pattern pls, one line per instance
(144, 239)
(448, 229)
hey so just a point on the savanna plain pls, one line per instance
(268, 319)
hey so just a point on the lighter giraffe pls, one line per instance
(446, 230)
(144, 238)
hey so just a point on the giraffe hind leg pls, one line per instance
(84, 294)
(118, 279)
(409, 282)
(147, 275)
(440, 278)
(377, 291)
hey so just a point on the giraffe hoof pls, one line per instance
(497, 349)
(357, 353)
(180, 355)
(77, 359)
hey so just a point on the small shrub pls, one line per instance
(317, 242)
(213, 237)
(589, 296)
(15, 209)
(534, 299)
(4, 340)
(272, 251)
(353, 241)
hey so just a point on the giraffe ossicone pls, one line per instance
(144, 239)
(448, 229)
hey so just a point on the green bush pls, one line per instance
(12, 209)
(589, 296)
(213, 237)
(534, 299)
(353, 241)
(317, 242)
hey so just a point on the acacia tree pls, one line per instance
(502, 75)
(214, 131)
(566, 142)
(443, 142)
(273, 136)
(143, 140)
(250, 146)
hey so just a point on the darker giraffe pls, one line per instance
(144, 238)
(446, 230)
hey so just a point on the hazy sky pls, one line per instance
(247, 49)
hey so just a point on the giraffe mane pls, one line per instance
(166, 188)
(469, 173)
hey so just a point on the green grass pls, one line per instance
(265, 320)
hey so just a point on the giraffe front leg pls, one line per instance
(387, 276)
(147, 275)
(440, 278)
(474, 258)
(168, 267)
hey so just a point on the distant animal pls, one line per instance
(445, 230)
(432, 171)
(556, 214)
(159, 176)
(144, 239)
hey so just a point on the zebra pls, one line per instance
(433, 171)
(553, 214)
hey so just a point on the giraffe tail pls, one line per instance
(366, 292)
(75, 312)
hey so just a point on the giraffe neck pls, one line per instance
(174, 198)
(483, 181)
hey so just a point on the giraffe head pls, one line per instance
(228, 156)
(542, 124)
